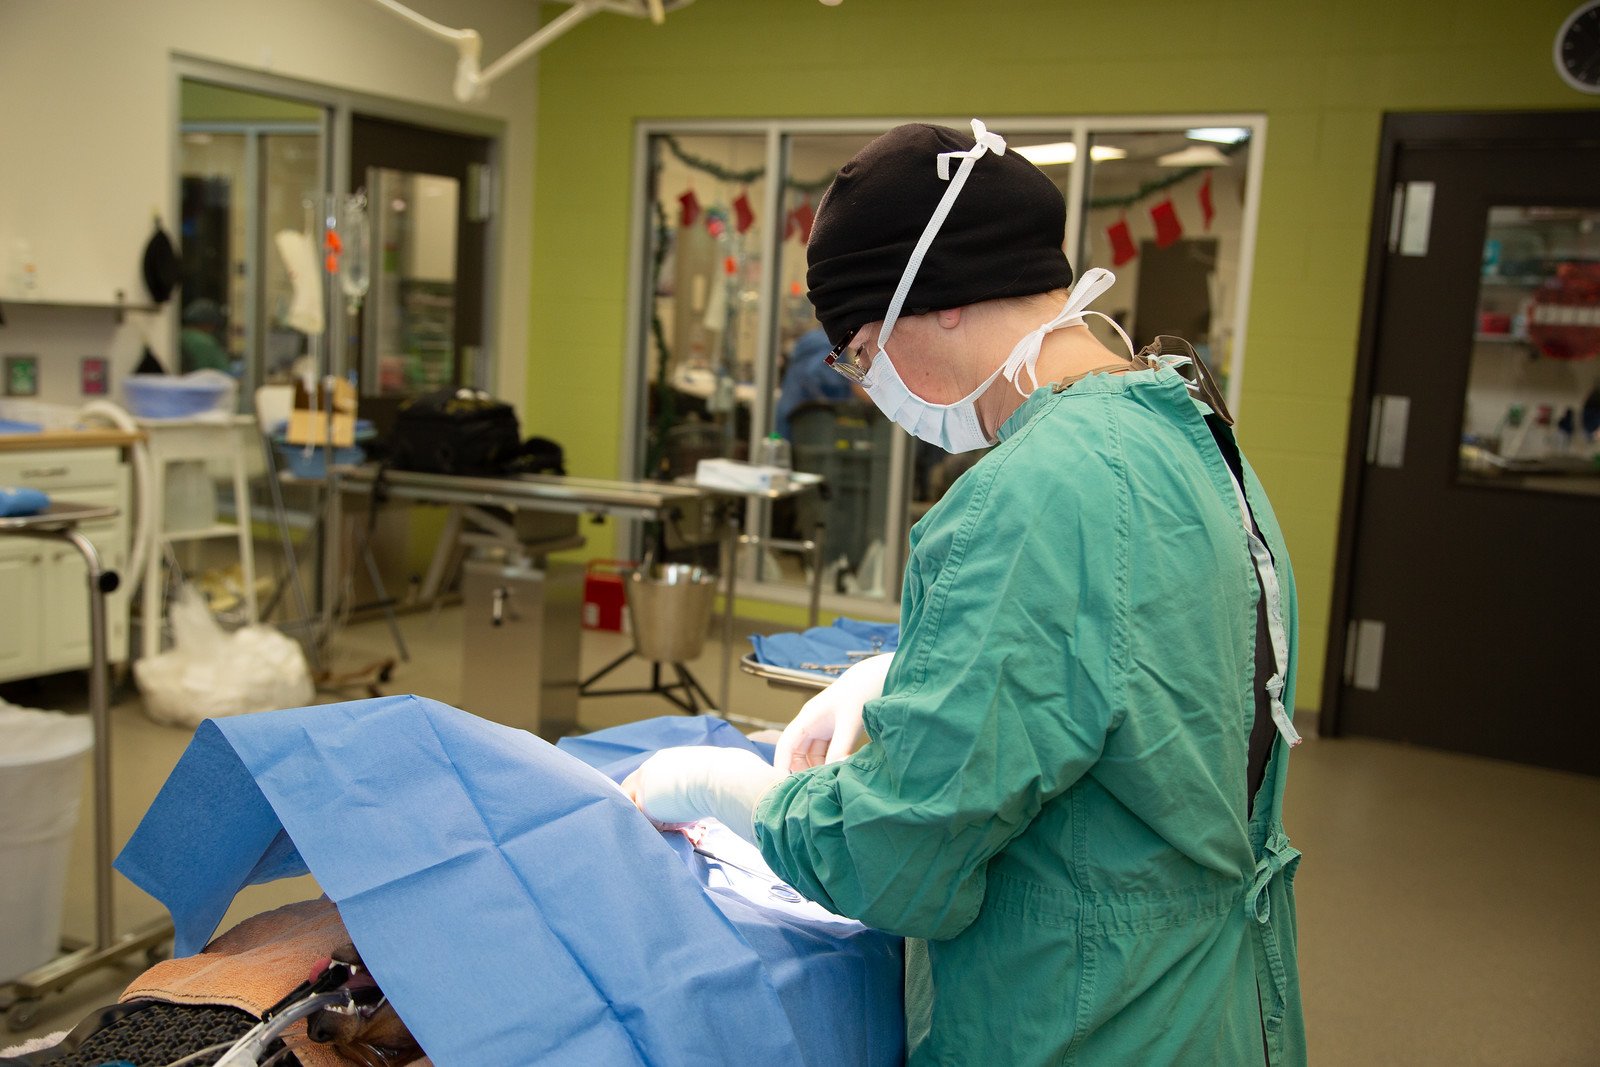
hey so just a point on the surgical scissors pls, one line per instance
(779, 890)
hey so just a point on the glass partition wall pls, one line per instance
(248, 164)
(726, 354)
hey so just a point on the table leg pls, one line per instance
(816, 574)
(247, 546)
(100, 583)
(154, 590)
(730, 565)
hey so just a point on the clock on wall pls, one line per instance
(1577, 50)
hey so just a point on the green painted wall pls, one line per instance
(204, 102)
(1323, 73)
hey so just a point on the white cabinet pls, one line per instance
(191, 445)
(44, 590)
(20, 565)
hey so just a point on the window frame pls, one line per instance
(776, 132)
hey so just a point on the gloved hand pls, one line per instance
(677, 786)
(828, 728)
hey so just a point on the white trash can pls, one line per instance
(41, 782)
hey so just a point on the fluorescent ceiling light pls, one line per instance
(1196, 155)
(1044, 155)
(1219, 134)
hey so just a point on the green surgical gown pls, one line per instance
(1053, 802)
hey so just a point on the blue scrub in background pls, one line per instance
(807, 377)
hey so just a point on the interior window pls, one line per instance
(730, 356)
(249, 164)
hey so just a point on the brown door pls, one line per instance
(1467, 599)
(422, 323)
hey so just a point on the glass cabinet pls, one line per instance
(1531, 419)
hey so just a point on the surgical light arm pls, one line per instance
(472, 82)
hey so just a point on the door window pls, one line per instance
(1532, 413)
(414, 235)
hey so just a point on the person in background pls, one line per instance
(807, 377)
(200, 345)
(1071, 799)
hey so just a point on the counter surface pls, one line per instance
(98, 438)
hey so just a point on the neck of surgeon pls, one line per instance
(948, 352)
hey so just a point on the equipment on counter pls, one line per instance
(454, 431)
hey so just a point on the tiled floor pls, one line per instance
(1447, 904)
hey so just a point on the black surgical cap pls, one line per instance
(1002, 238)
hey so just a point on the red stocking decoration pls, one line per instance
(1165, 216)
(743, 216)
(1207, 211)
(688, 208)
(1121, 238)
(803, 218)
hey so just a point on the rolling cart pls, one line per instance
(20, 997)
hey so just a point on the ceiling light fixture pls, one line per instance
(1046, 155)
(1196, 155)
(1218, 134)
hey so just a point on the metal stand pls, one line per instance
(686, 682)
(730, 565)
(23, 994)
(323, 527)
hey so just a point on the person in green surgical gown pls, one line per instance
(1071, 799)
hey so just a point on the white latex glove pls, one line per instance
(677, 786)
(828, 728)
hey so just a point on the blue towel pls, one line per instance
(14, 426)
(827, 645)
(22, 501)
(511, 902)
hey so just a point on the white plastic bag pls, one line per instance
(209, 672)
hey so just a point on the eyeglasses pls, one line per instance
(843, 359)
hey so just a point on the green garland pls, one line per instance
(666, 405)
(1160, 184)
(737, 177)
(745, 177)
(666, 401)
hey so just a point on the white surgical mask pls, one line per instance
(955, 427)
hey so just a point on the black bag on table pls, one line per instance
(454, 431)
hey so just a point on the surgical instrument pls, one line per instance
(777, 889)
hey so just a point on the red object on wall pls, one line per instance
(1564, 317)
(1121, 238)
(804, 217)
(743, 214)
(1165, 216)
(603, 593)
(688, 208)
(1208, 210)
